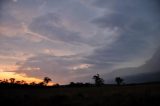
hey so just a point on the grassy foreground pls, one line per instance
(135, 95)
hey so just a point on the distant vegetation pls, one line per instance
(119, 80)
(98, 81)
(12, 82)
(13, 92)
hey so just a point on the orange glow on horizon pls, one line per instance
(20, 77)
(8, 75)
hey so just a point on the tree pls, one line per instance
(118, 80)
(12, 80)
(46, 80)
(41, 84)
(72, 84)
(18, 82)
(98, 81)
(23, 82)
(56, 85)
(5, 81)
(32, 84)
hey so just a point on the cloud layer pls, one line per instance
(74, 39)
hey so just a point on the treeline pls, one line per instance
(12, 82)
(98, 81)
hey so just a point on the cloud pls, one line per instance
(61, 68)
(141, 78)
(128, 13)
(54, 52)
(138, 35)
(138, 30)
(150, 71)
(73, 39)
(51, 26)
(147, 72)
(8, 68)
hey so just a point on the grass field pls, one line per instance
(135, 95)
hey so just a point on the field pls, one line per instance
(108, 95)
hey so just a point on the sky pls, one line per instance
(72, 40)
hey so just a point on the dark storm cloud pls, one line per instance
(112, 20)
(150, 71)
(138, 13)
(3, 3)
(138, 25)
(152, 65)
(141, 78)
(24, 4)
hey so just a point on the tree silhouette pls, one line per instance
(46, 80)
(32, 84)
(72, 84)
(18, 82)
(23, 82)
(98, 81)
(41, 84)
(5, 81)
(12, 80)
(118, 80)
(15, 83)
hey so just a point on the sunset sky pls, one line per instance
(72, 40)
